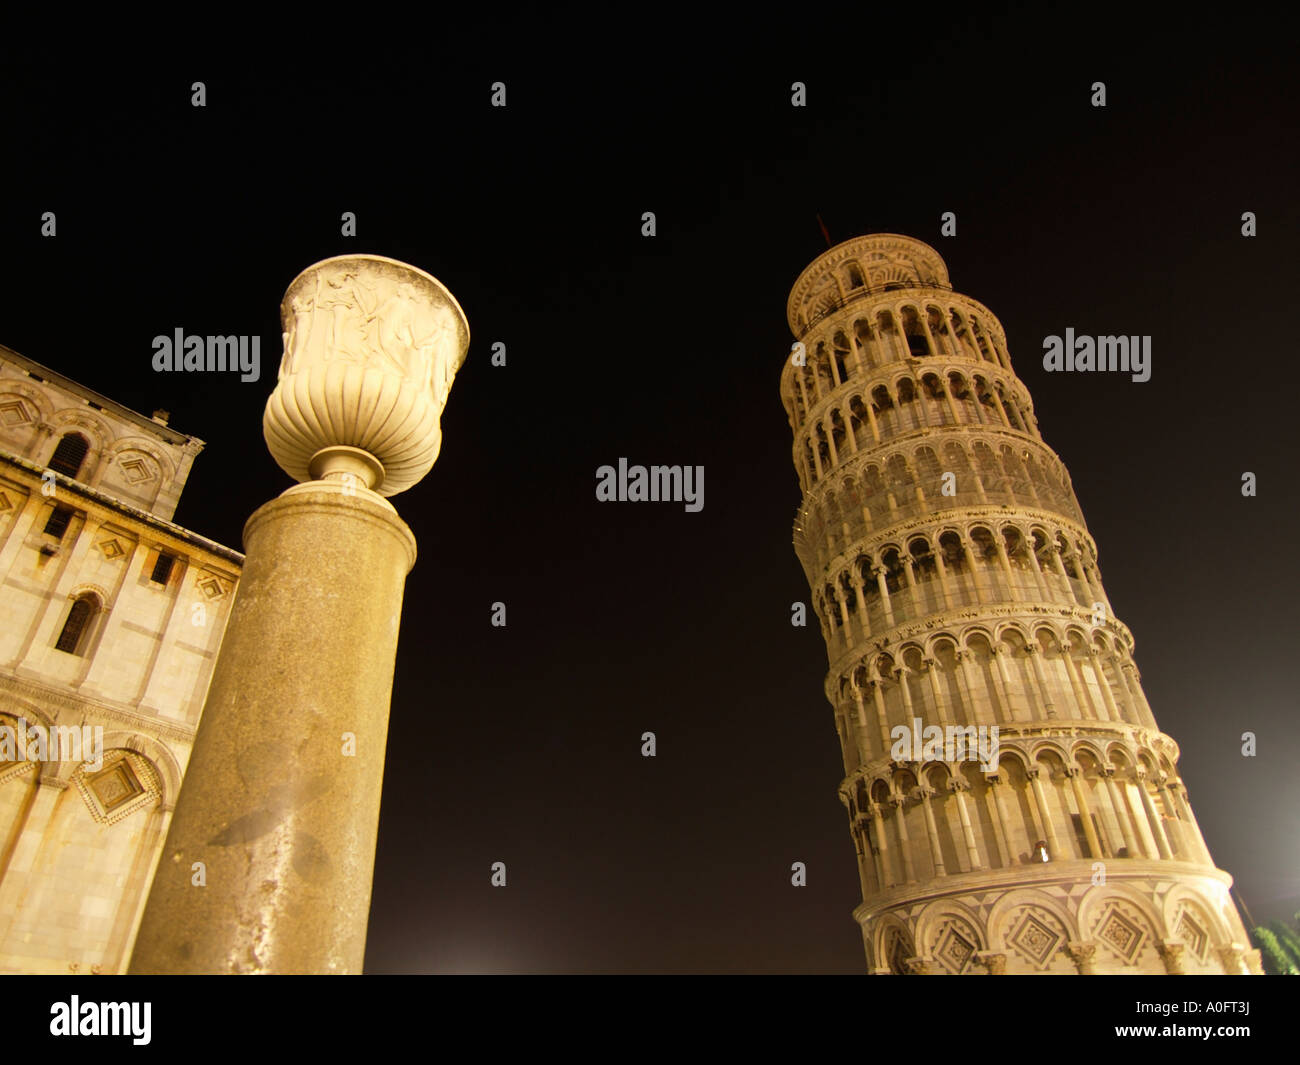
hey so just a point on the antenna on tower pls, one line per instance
(825, 232)
(1242, 903)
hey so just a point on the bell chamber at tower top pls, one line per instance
(859, 268)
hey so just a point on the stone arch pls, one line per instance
(982, 342)
(952, 935)
(32, 713)
(887, 331)
(960, 323)
(137, 467)
(1127, 929)
(164, 761)
(938, 324)
(918, 346)
(867, 345)
(30, 396)
(892, 945)
(1033, 930)
(1181, 903)
(1092, 748)
(909, 403)
(80, 420)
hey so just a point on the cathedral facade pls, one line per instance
(111, 617)
(1014, 806)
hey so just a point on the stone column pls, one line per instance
(803, 392)
(882, 846)
(993, 800)
(904, 843)
(958, 789)
(816, 450)
(1045, 812)
(879, 573)
(856, 580)
(882, 716)
(860, 718)
(1034, 654)
(1103, 683)
(871, 418)
(1179, 791)
(1075, 775)
(1153, 819)
(932, 830)
(931, 669)
(281, 797)
(1119, 804)
(942, 570)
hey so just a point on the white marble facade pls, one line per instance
(110, 621)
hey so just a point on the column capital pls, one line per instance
(1172, 955)
(994, 961)
(1083, 956)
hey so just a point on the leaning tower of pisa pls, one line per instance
(960, 599)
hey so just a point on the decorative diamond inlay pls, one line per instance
(1190, 932)
(14, 413)
(114, 786)
(124, 785)
(137, 471)
(1121, 935)
(112, 549)
(1035, 940)
(955, 951)
(4, 503)
(212, 588)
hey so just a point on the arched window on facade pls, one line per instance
(70, 454)
(76, 628)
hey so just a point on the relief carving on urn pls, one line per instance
(371, 347)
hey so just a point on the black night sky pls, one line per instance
(522, 744)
